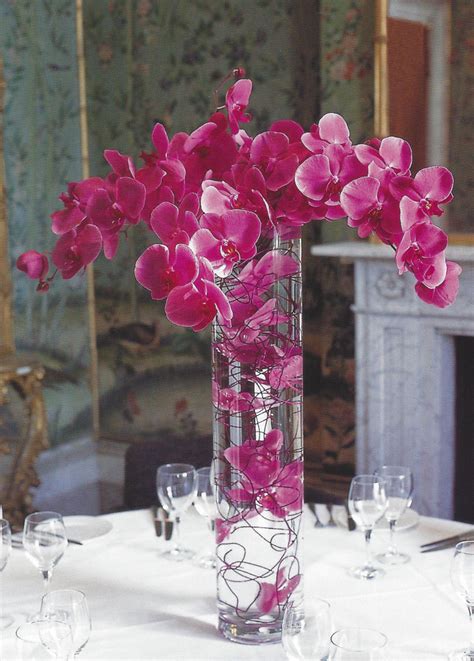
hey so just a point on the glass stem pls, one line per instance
(470, 608)
(46, 573)
(177, 532)
(368, 550)
(392, 549)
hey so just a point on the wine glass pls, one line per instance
(462, 578)
(306, 630)
(367, 503)
(70, 607)
(176, 486)
(206, 506)
(44, 540)
(357, 645)
(5, 549)
(43, 639)
(399, 492)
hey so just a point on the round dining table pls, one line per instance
(145, 606)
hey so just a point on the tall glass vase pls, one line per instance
(258, 442)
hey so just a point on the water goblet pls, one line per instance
(206, 505)
(399, 493)
(71, 608)
(367, 503)
(306, 630)
(43, 639)
(176, 486)
(462, 578)
(44, 540)
(5, 549)
(355, 644)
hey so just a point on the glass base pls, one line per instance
(207, 561)
(366, 572)
(249, 632)
(461, 655)
(6, 621)
(390, 558)
(178, 554)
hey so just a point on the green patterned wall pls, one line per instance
(148, 61)
(42, 152)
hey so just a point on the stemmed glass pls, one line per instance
(357, 645)
(206, 506)
(462, 578)
(176, 486)
(44, 540)
(70, 607)
(43, 639)
(5, 549)
(367, 503)
(306, 630)
(399, 493)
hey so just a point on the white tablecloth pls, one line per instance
(146, 607)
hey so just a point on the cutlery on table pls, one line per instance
(447, 542)
(17, 541)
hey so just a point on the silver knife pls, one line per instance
(447, 542)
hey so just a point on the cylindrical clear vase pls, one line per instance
(258, 442)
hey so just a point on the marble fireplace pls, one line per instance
(406, 371)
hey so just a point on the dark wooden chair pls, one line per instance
(142, 460)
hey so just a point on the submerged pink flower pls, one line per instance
(445, 293)
(236, 100)
(274, 595)
(288, 374)
(228, 399)
(227, 239)
(34, 264)
(196, 304)
(161, 271)
(76, 249)
(421, 251)
(257, 460)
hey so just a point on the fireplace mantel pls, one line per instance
(405, 370)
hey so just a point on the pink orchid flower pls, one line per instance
(257, 276)
(430, 188)
(173, 224)
(331, 130)
(288, 374)
(258, 461)
(34, 264)
(227, 239)
(75, 202)
(207, 152)
(160, 270)
(270, 152)
(371, 209)
(445, 293)
(196, 304)
(121, 164)
(228, 399)
(76, 249)
(272, 596)
(322, 177)
(421, 251)
(391, 153)
(236, 101)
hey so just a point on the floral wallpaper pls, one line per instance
(42, 151)
(149, 61)
(461, 133)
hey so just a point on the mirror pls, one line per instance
(430, 92)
